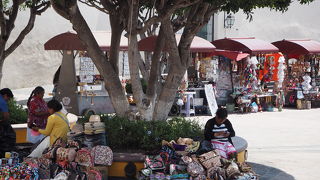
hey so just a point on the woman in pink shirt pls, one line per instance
(38, 113)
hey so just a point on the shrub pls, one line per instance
(18, 114)
(128, 87)
(123, 134)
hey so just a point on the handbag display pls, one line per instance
(102, 155)
(210, 159)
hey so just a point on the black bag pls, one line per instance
(205, 146)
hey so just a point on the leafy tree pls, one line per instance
(9, 10)
(141, 17)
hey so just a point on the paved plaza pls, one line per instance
(282, 145)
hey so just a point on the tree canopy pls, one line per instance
(149, 17)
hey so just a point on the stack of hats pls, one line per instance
(94, 132)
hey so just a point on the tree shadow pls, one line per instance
(268, 173)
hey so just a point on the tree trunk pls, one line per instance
(133, 55)
(1, 67)
(111, 78)
(116, 31)
(168, 94)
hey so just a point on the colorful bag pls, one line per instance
(66, 154)
(94, 175)
(232, 169)
(61, 176)
(217, 173)
(194, 168)
(102, 155)
(84, 158)
(154, 163)
(74, 144)
(210, 159)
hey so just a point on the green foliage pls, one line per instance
(124, 134)
(129, 87)
(18, 114)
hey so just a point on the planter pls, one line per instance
(121, 160)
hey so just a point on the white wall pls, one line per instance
(299, 22)
(30, 65)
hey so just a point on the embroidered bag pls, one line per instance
(210, 159)
(195, 169)
(102, 155)
(94, 175)
(84, 158)
(154, 163)
(66, 154)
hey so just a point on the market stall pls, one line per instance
(250, 74)
(303, 75)
(83, 91)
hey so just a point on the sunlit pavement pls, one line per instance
(282, 145)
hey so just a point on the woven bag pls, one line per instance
(210, 159)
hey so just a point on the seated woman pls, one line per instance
(57, 127)
(219, 131)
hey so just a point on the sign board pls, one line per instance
(86, 70)
(211, 98)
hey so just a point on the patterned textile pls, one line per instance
(224, 148)
(37, 105)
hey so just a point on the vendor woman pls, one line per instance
(57, 127)
(219, 131)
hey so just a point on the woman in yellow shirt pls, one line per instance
(57, 125)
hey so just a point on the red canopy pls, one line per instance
(247, 45)
(198, 44)
(298, 46)
(234, 55)
(71, 41)
(65, 41)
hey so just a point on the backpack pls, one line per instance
(84, 158)
(102, 155)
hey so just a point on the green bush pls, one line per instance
(18, 114)
(123, 134)
(128, 87)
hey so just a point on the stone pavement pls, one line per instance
(282, 145)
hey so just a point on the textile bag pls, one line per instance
(102, 155)
(195, 169)
(94, 175)
(210, 159)
(33, 136)
(154, 163)
(66, 154)
(84, 158)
